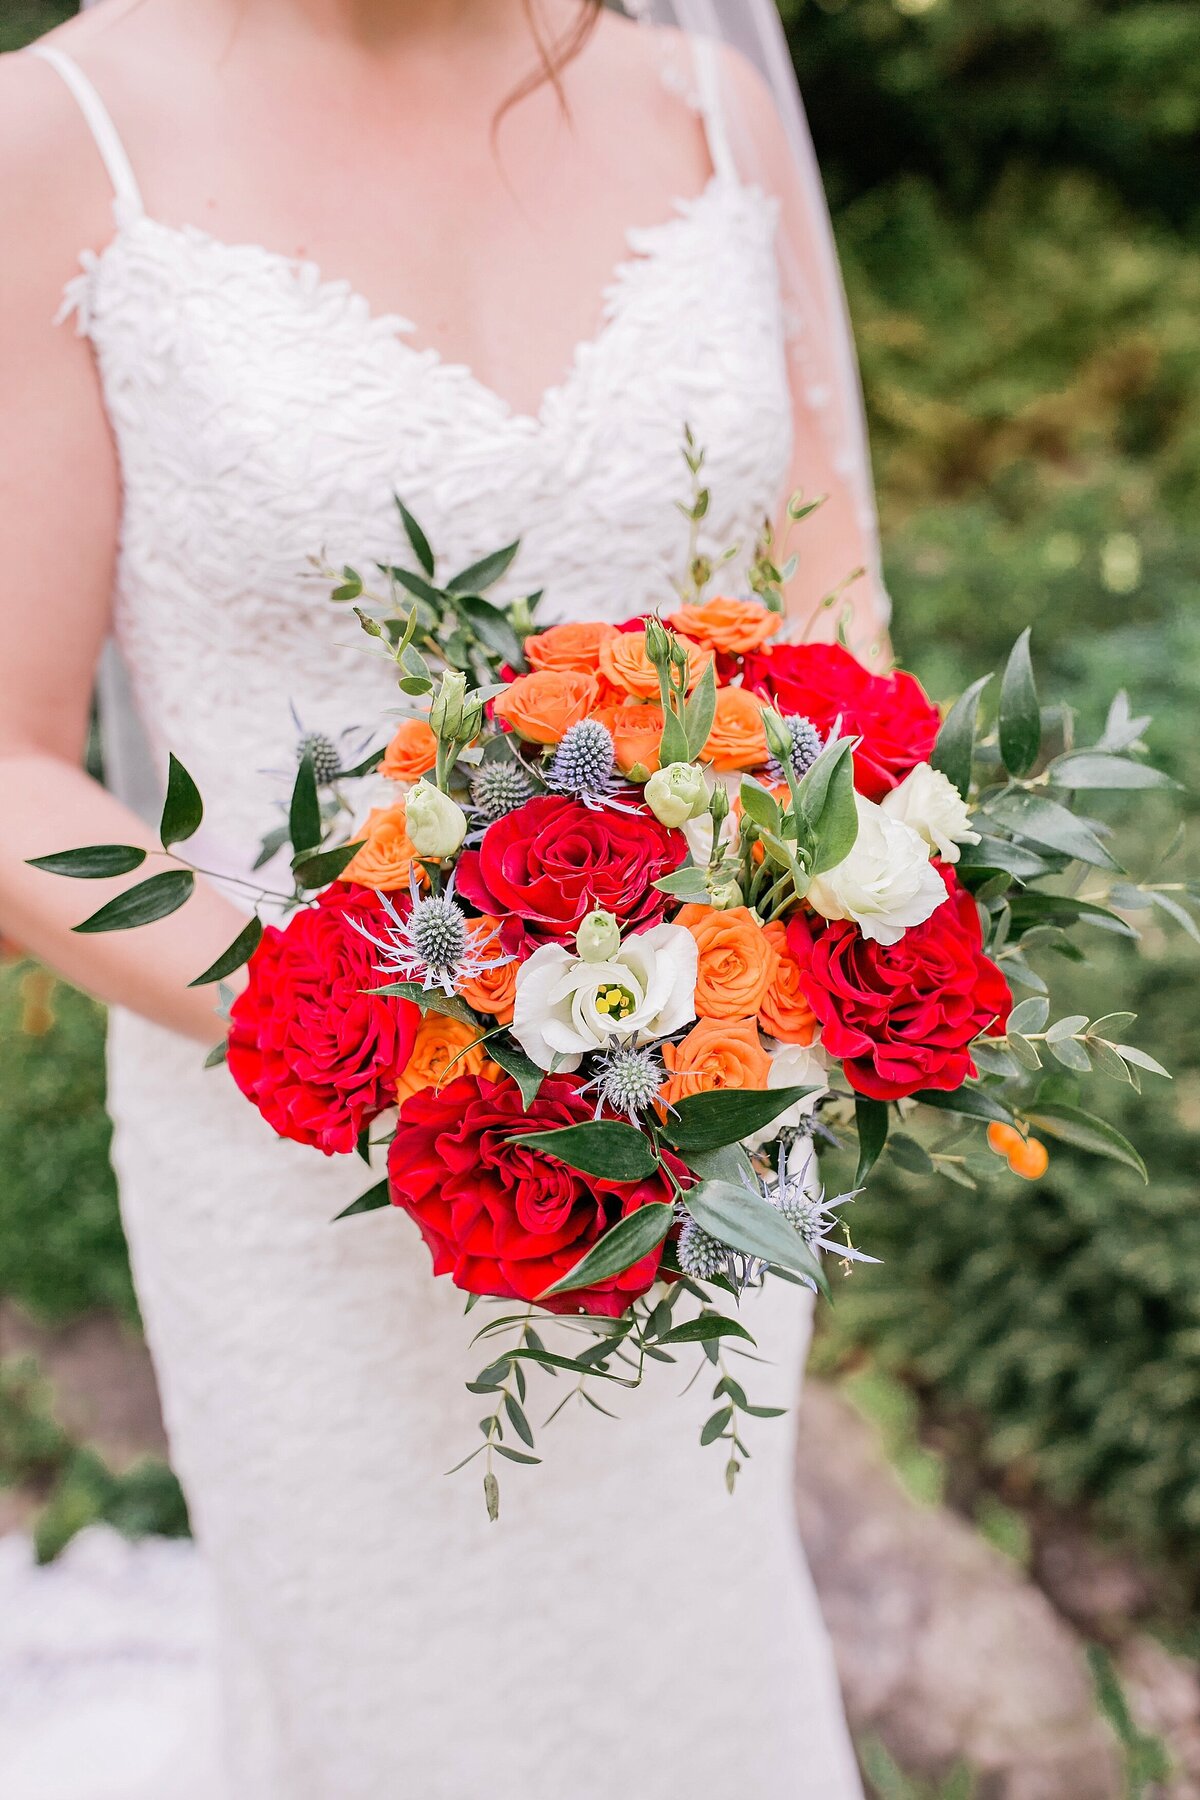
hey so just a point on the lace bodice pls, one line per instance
(264, 413)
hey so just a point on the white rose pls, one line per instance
(886, 884)
(793, 1065)
(933, 806)
(566, 1007)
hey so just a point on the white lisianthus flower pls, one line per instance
(566, 1007)
(793, 1065)
(929, 802)
(886, 884)
(676, 794)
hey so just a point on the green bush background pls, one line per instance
(1015, 188)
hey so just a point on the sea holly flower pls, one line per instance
(886, 884)
(805, 1207)
(567, 1006)
(434, 943)
(933, 806)
(626, 1080)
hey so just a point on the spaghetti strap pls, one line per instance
(99, 121)
(706, 53)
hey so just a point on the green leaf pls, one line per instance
(1031, 909)
(95, 862)
(240, 951)
(304, 812)
(1070, 1054)
(1030, 1015)
(727, 1116)
(715, 1426)
(759, 805)
(1087, 1133)
(492, 627)
(416, 537)
(998, 853)
(517, 1419)
(418, 587)
(686, 884)
(217, 1055)
(183, 809)
(1048, 823)
(1175, 911)
(729, 1163)
(602, 1147)
(871, 1120)
(318, 869)
(704, 1330)
(700, 711)
(142, 905)
(1141, 1059)
(516, 1456)
(835, 831)
(911, 1156)
(970, 1102)
(673, 744)
(814, 789)
(522, 1068)
(748, 1223)
(428, 999)
(484, 573)
(954, 752)
(1020, 715)
(1091, 769)
(629, 1240)
(374, 1200)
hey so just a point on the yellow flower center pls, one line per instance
(615, 1002)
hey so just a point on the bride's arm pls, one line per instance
(59, 508)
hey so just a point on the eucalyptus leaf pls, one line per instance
(602, 1147)
(95, 862)
(954, 752)
(705, 1329)
(1030, 1015)
(1086, 1132)
(747, 1222)
(1071, 1054)
(1020, 715)
(1091, 769)
(1141, 1059)
(149, 901)
(1046, 822)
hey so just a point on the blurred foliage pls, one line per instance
(73, 1486)
(956, 89)
(1015, 188)
(22, 20)
(61, 1248)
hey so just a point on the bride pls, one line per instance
(491, 255)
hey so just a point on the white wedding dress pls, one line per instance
(626, 1628)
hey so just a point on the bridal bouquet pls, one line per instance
(640, 918)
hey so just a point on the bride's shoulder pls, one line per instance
(664, 58)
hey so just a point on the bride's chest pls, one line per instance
(264, 413)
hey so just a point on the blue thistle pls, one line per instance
(806, 747)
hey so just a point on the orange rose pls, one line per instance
(785, 1013)
(636, 728)
(411, 753)
(543, 707)
(733, 626)
(440, 1042)
(738, 739)
(716, 1053)
(387, 857)
(493, 991)
(571, 649)
(624, 662)
(737, 960)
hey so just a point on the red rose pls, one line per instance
(500, 1218)
(547, 865)
(900, 1016)
(318, 1056)
(895, 718)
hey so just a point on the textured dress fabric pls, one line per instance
(626, 1627)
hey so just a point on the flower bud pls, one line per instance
(726, 895)
(677, 793)
(779, 737)
(437, 824)
(598, 938)
(658, 644)
(446, 712)
(718, 806)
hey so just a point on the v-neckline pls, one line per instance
(646, 246)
